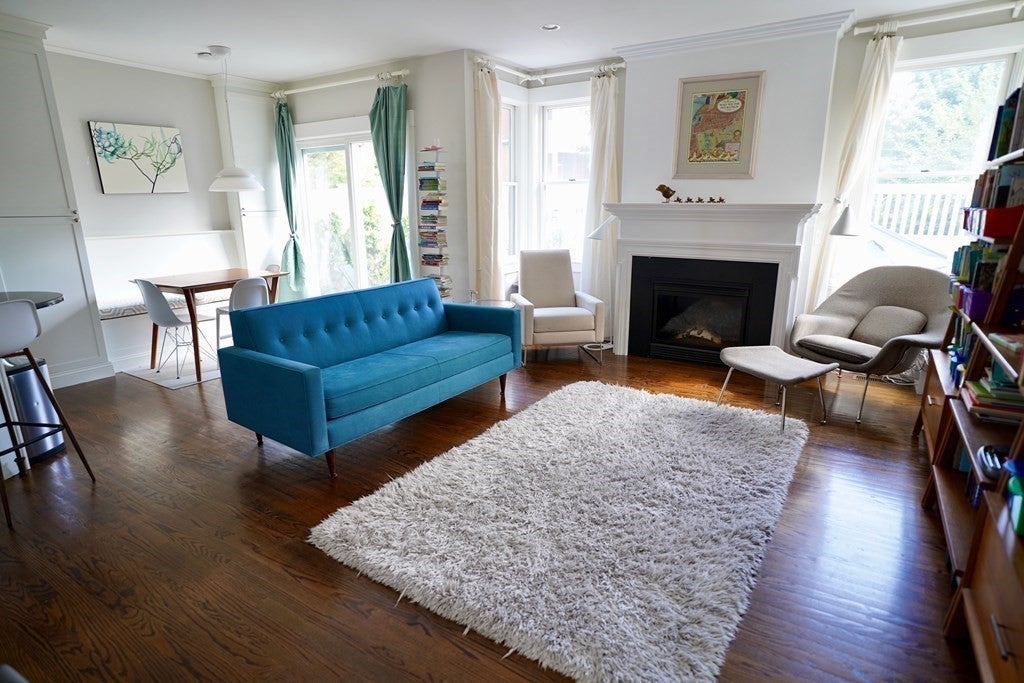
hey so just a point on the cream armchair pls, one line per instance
(553, 312)
(877, 323)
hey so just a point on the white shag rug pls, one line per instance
(606, 532)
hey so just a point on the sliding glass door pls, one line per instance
(345, 212)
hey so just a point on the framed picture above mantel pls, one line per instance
(716, 131)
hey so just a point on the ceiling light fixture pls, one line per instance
(550, 27)
(231, 178)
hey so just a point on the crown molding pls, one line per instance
(119, 62)
(837, 22)
(24, 27)
(243, 85)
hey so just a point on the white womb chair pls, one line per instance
(19, 327)
(553, 312)
(877, 323)
(252, 291)
(161, 315)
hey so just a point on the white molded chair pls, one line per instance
(877, 323)
(554, 313)
(161, 315)
(247, 293)
(19, 327)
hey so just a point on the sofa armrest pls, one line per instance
(595, 306)
(477, 318)
(276, 397)
(526, 308)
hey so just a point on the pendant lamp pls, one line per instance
(231, 178)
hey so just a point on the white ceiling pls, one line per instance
(283, 41)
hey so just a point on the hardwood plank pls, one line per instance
(188, 560)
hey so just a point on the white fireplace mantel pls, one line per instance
(761, 233)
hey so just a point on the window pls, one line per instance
(347, 220)
(565, 150)
(544, 166)
(935, 141)
(508, 178)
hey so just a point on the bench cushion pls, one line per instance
(365, 382)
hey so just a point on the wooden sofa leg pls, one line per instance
(259, 439)
(329, 456)
(501, 381)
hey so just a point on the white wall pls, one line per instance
(139, 235)
(795, 92)
(90, 90)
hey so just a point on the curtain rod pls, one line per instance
(1014, 7)
(383, 76)
(540, 77)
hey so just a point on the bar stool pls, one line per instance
(19, 327)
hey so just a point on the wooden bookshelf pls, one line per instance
(985, 554)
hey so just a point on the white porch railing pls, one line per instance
(919, 209)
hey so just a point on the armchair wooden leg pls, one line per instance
(329, 456)
(501, 382)
(259, 439)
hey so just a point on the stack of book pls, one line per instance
(995, 397)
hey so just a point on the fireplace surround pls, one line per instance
(745, 233)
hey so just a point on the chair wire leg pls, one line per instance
(163, 342)
(864, 395)
(821, 395)
(783, 428)
(60, 413)
(724, 385)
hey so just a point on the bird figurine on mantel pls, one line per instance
(665, 191)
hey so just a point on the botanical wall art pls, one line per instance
(716, 135)
(138, 159)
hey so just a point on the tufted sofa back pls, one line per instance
(335, 328)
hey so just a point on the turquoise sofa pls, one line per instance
(317, 373)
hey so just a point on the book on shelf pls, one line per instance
(990, 413)
(986, 399)
(1005, 124)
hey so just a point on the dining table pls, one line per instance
(190, 284)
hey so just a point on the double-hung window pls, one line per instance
(544, 167)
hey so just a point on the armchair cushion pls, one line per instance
(842, 349)
(562, 319)
(882, 323)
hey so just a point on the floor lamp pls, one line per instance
(600, 233)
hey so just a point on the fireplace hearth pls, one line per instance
(690, 309)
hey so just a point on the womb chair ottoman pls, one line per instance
(774, 365)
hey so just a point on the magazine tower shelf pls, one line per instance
(432, 223)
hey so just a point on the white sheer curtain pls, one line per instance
(860, 150)
(599, 257)
(488, 114)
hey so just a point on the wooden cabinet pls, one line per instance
(991, 597)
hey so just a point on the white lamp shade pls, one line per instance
(234, 179)
(602, 230)
(844, 225)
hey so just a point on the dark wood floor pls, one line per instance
(187, 559)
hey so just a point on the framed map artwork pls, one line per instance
(716, 135)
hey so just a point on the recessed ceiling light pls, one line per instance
(550, 27)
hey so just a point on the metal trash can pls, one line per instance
(32, 405)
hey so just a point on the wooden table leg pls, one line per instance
(190, 302)
(152, 350)
(272, 286)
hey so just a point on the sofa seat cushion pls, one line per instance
(840, 348)
(365, 382)
(562, 319)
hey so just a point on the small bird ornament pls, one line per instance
(666, 192)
